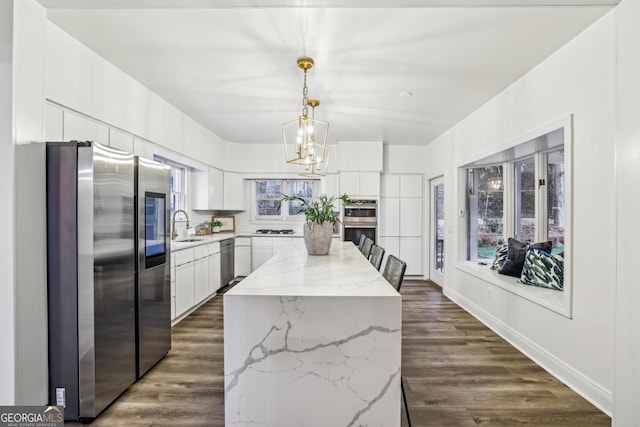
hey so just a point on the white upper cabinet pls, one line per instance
(234, 191)
(410, 185)
(80, 128)
(390, 185)
(53, 123)
(358, 184)
(120, 140)
(208, 190)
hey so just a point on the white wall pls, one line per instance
(578, 79)
(627, 344)
(7, 311)
(30, 204)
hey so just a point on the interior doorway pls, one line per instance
(437, 232)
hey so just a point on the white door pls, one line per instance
(437, 231)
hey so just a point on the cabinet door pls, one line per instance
(82, 129)
(370, 183)
(184, 288)
(389, 216)
(53, 123)
(242, 261)
(261, 251)
(280, 243)
(410, 185)
(214, 272)
(121, 141)
(350, 183)
(391, 246)
(410, 217)
(234, 194)
(201, 279)
(216, 189)
(411, 253)
(389, 185)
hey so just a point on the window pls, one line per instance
(555, 186)
(486, 211)
(269, 192)
(178, 189)
(523, 196)
(178, 184)
(525, 200)
(523, 191)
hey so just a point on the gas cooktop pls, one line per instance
(268, 231)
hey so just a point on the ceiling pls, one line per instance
(231, 65)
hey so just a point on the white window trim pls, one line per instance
(284, 217)
(559, 302)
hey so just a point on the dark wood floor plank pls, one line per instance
(457, 373)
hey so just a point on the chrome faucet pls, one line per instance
(173, 223)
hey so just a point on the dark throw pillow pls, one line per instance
(515, 258)
(543, 246)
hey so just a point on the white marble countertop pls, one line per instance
(292, 272)
(179, 244)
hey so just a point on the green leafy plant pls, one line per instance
(320, 210)
(216, 224)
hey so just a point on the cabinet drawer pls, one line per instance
(243, 241)
(262, 242)
(214, 248)
(201, 251)
(183, 256)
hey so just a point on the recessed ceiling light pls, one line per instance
(406, 94)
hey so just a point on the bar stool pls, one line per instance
(366, 248)
(377, 253)
(394, 273)
(362, 239)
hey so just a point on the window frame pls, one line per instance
(284, 209)
(508, 154)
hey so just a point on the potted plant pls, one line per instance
(320, 218)
(215, 226)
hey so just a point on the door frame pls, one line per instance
(434, 274)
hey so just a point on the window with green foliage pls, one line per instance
(522, 196)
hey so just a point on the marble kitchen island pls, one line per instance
(313, 341)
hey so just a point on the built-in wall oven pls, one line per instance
(360, 217)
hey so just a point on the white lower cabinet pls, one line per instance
(261, 251)
(411, 253)
(214, 273)
(201, 279)
(408, 249)
(263, 248)
(214, 267)
(242, 258)
(185, 293)
(173, 287)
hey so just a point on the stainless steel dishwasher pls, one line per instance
(227, 274)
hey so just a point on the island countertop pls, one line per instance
(292, 272)
(313, 341)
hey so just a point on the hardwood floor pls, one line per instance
(456, 373)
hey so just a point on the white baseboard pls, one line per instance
(585, 387)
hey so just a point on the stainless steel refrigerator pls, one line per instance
(98, 319)
(153, 297)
